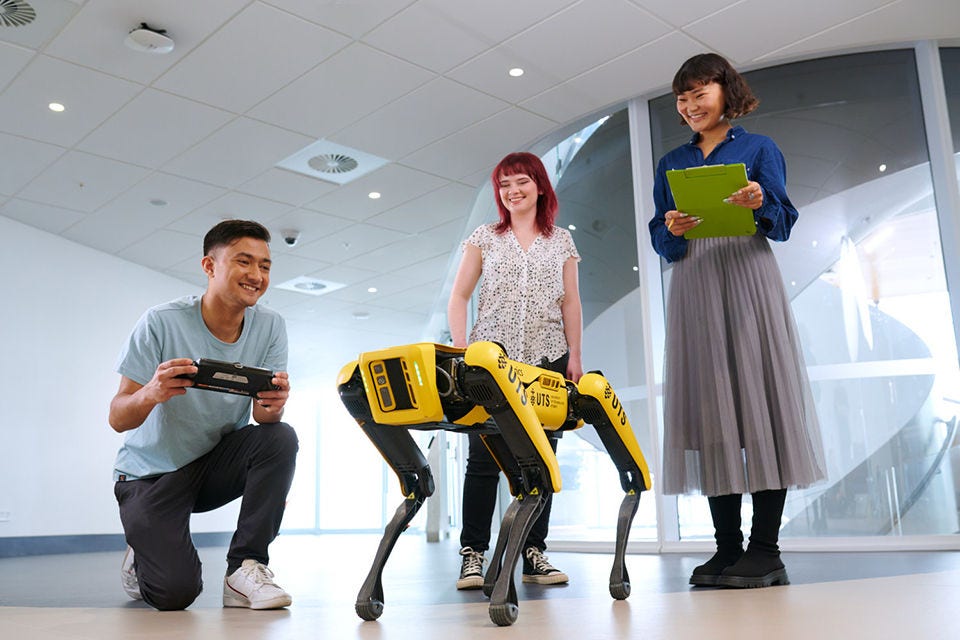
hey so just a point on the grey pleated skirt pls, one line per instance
(738, 411)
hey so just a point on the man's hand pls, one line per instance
(134, 402)
(268, 405)
(166, 384)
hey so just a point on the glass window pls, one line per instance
(865, 272)
(950, 63)
(594, 184)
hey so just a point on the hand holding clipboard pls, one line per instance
(713, 195)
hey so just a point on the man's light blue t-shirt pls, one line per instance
(179, 431)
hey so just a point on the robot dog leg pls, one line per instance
(416, 482)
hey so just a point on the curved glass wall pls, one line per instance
(594, 184)
(865, 272)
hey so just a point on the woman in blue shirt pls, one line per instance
(738, 413)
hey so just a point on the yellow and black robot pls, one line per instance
(427, 386)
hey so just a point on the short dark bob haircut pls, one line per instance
(530, 165)
(705, 68)
(225, 233)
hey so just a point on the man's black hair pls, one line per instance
(229, 231)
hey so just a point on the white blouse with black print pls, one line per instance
(521, 293)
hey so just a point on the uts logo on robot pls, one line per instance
(427, 386)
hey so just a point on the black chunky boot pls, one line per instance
(725, 511)
(760, 566)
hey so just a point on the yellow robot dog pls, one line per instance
(429, 386)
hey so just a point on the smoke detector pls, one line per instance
(332, 162)
(148, 40)
(16, 13)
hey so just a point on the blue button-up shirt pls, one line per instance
(765, 165)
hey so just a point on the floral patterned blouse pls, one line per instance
(521, 293)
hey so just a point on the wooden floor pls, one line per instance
(914, 595)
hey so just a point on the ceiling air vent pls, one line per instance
(310, 286)
(16, 13)
(332, 162)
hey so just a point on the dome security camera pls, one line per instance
(290, 237)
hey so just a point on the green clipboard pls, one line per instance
(699, 191)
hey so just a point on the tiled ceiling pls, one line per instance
(152, 150)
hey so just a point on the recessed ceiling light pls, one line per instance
(374, 195)
(635, 268)
(572, 227)
(371, 289)
(882, 168)
(577, 139)
(516, 72)
(56, 106)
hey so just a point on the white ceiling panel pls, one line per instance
(453, 201)
(450, 233)
(111, 231)
(162, 249)
(180, 195)
(334, 94)
(429, 36)
(419, 299)
(82, 181)
(286, 186)
(12, 60)
(386, 284)
(395, 183)
(782, 24)
(613, 27)
(230, 205)
(186, 22)
(446, 33)
(679, 14)
(153, 128)
(32, 158)
(349, 243)
(403, 254)
(89, 97)
(286, 47)
(649, 66)
(41, 216)
(425, 272)
(897, 21)
(419, 118)
(344, 274)
(481, 146)
(353, 18)
(238, 152)
(488, 72)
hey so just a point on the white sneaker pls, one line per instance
(252, 586)
(128, 576)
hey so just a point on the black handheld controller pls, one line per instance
(231, 377)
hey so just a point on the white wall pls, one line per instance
(65, 314)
